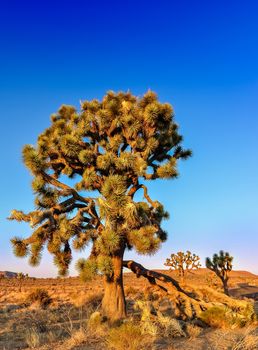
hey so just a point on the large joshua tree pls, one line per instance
(110, 148)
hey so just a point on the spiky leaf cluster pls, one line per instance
(183, 262)
(221, 264)
(112, 147)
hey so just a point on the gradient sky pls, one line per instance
(201, 56)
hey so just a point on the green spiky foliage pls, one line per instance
(221, 265)
(111, 148)
(183, 262)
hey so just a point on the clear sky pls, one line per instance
(201, 56)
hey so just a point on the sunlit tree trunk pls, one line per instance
(113, 303)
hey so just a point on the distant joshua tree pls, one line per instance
(21, 277)
(110, 148)
(221, 264)
(183, 262)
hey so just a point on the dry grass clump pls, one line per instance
(154, 323)
(94, 320)
(248, 341)
(77, 338)
(169, 327)
(143, 333)
(148, 317)
(90, 333)
(32, 338)
(95, 325)
(127, 337)
(192, 330)
(39, 296)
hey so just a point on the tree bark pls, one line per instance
(225, 286)
(152, 276)
(113, 303)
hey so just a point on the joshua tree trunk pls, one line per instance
(225, 286)
(113, 303)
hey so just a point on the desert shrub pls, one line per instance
(96, 325)
(248, 313)
(77, 338)
(39, 296)
(169, 327)
(146, 307)
(192, 330)
(224, 317)
(217, 316)
(126, 337)
(147, 322)
(154, 323)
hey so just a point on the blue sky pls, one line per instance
(201, 56)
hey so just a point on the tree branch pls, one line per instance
(147, 197)
(136, 187)
(48, 178)
(151, 276)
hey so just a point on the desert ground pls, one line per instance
(66, 315)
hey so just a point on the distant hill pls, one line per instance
(8, 274)
(204, 271)
(207, 277)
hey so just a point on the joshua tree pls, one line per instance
(183, 262)
(21, 277)
(221, 264)
(110, 148)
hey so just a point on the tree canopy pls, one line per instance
(110, 148)
(183, 262)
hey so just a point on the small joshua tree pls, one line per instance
(221, 264)
(21, 277)
(110, 148)
(183, 262)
